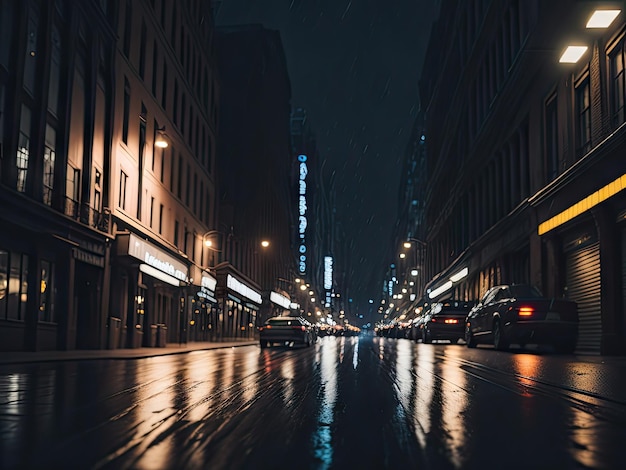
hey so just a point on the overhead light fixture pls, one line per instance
(440, 290)
(456, 277)
(572, 54)
(602, 18)
(160, 140)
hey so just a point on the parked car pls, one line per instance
(287, 331)
(445, 321)
(521, 314)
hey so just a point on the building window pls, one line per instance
(55, 72)
(72, 190)
(175, 112)
(155, 60)
(142, 51)
(617, 85)
(30, 61)
(176, 230)
(195, 193)
(180, 177)
(151, 210)
(126, 117)
(172, 169)
(188, 186)
(23, 149)
(583, 117)
(49, 155)
(47, 290)
(552, 148)
(97, 190)
(154, 147)
(164, 85)
(127, 28)
(163, 166)
(160, 219)
(122, 190)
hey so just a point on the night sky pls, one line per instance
(354, 66)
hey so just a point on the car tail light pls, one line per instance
(451, 320)
(525, 311)
(301, 327)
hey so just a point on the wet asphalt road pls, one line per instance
(345, 403)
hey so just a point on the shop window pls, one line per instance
(16, 284)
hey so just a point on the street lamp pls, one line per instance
(160, 140)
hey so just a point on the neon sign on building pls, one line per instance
(302, 213)
(328, 278)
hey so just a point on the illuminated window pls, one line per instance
(23, 149)
(49, 155)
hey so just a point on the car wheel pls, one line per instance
(469, 338)
(498, 337)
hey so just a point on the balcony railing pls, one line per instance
(100, 220)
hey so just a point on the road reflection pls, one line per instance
(330, 355)
(344, 403)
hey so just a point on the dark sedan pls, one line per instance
(520, 314)
(287, 331)
(445, 321)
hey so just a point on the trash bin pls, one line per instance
(114, 328)
(161, 335)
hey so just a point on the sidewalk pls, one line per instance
(127, 353)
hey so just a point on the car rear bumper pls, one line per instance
(450, 332)
(541, 332)
(277, 337)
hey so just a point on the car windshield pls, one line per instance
(525, 291)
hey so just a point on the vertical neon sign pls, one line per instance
(302, 210)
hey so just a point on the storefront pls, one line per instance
(239, 301)
(204, 309)
(52, 285)
(149, 300)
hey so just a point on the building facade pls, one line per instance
(525, 157)
(104, 245)
(254, 165)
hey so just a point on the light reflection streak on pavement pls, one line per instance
(404, 377)
(322, 440)
(425, 385)
(453, 404)
(583, 425)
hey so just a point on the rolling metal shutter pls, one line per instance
(583, 286)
